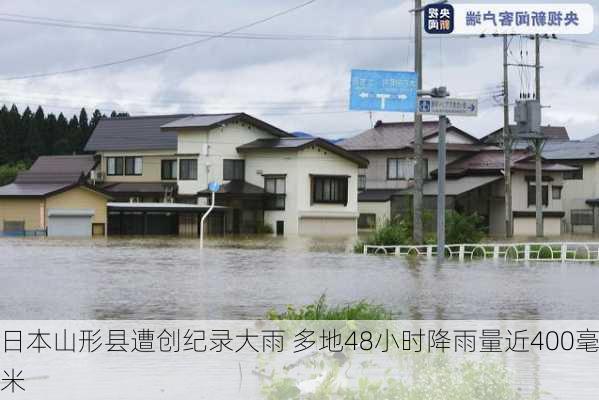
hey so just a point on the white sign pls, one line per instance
(447, 106)
(527, 19)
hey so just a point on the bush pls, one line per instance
(463, 228)
(264, 229)
(8, 172)
(459, 229)
(320, 310)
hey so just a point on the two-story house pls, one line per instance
(389, 149)
(305, 186)
(474, 178)
(158, 168)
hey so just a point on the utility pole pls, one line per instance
(442, 92)
(539, 144)
(418, 234)
(507, 144)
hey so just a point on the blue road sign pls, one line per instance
(383, 90)
(214, 186)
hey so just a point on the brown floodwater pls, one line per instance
(237, 278)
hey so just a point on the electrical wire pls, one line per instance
(162, 51)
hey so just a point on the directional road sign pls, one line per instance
(214, 187)
(383, 90)
(447, 106)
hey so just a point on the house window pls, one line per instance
(133, 165)
(556, 192)
(114, 166)
(233, 170)
(400, 168)
(188, 170)
(532, 195)
(275, 184)
(361, 182)
(574, 175)
(168, 170)
(329, 189)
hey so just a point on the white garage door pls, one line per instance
(70, 223)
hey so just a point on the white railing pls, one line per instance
(570, 252)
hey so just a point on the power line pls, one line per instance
(63, 23)
(192, 33)
(163, 51)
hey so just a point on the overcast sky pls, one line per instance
(297, 85)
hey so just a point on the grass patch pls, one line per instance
(320, 310)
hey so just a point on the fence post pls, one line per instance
(429, 251)
(365, 249)
(564, 251)
(462, 250)
(527, 252)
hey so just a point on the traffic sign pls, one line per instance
(383, 90)
(214, 187)
(447, 106)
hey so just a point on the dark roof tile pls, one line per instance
(133, 133)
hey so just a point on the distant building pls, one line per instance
(474, 177)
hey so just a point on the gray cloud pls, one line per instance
(299, 85)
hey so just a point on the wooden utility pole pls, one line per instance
(507, 144)
(418, 234)
(539, 144)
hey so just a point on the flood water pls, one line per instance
(169, 278)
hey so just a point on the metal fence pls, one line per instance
(581, 217)
(35, 232)
(570, 252)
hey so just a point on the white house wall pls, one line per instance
(577, 192)
(222, 143)
(298, 166)
(520, 192)
(451, 138)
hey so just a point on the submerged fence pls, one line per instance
(570, 252)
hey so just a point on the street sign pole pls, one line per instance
(437, 102)
(441, 189)
(213, 187)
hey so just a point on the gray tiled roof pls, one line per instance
(57, 169)
(391, 136)
(138, 187)
(199, 121)
(551, 133)
(377, 195)
(287, 143)
(238, 188)
(133, 133)
(299, 143)
(209, 121)
(31, 189)
(574, 150)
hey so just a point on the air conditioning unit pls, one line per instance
(96, 176)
